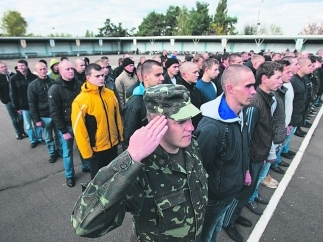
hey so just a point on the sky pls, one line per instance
(75, 17)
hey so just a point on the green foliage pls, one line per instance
(87, 33)
(111, 30)
(13, 24)
(171, 21)
(200, 20)
(223, 24)
(183, 25)
(249, 29)
(152, 25)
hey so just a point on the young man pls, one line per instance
(222, 135)
(171, 76)
(96, 120)
(159, 179)
(61, 95)
(208, 89)
(134, 113)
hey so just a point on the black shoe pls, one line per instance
(277, 169)
(243, 221)
(262, 200)
(52, 158)
(233, 233)
(299, 134)
(307, 125)
(86, 170)
(42, 142)
(291, 152)
(253, 207)
(19, 136)
(283, 164)
(24, 135)
(33, 145)
(301, 131)
(287, 155)
(70, 182)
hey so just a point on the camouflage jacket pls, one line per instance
(166, 201)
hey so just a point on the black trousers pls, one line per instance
(243, 196)
(101, 159)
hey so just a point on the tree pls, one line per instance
(183, 25)
(275, 30)
(112, 30)
(13, 24)
(312, 29)
(87, 33)
(171, 19)
(249, 29)
(200, 20)
(152, 25)
(223, 24)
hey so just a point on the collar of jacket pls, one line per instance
(268, 97)
(88, 87)
(188, 85)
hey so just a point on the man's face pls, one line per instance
(213, 72)
(237, 60)
(129, 68)
(274, 82)
(22, 68)
(178, 135)
(66, 70)
(192, 75)
(80, 66)
(55, 67)
(245, 57)
(3, 68)
(257, 63)
(173, 69)
(200, 63)
(155, 77)
(41, 70)
(294, 66)
(287, 74)
(107, 61)
(306, 68)
(142, 60)
(105, 69)
(276, 57)
(245, 90)
(96, 78)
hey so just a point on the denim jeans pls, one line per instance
(262, 174)
(57, 140)
(213, 220)
(67, 148)
(285, 147)
(278, 150)
(16, 119)
(33, 138)
(48, 134)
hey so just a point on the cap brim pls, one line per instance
(187, 112)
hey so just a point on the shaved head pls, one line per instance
(232, 75)
(303, 61)
(186, 66)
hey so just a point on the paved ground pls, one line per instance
(36, 203)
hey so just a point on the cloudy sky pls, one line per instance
(75, 17)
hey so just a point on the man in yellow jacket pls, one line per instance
(96, 120)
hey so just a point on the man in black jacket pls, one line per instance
(79, 71)
(16, 118)
(39, 108)
(222, 135)
(61, 95)
(171, 76)
(18, 95)
(134, 112)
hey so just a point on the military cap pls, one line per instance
(170, 100)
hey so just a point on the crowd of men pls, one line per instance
(242, 110)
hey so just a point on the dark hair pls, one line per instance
(90, 67)
(188, 57)
(208, 63)
(283, 62)
(23, 62)
(43, 61)
(86, 60)
(147, 66)
(64, 58)
(104, 58)
(268, 69)
(233, 56)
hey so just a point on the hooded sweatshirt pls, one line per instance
(52, 74)
(224, 143)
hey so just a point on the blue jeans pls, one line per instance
(213, 220)
(263, 173)
(48, 134)
(67, 148)
(278, 150)
(16, 119)
(33, 138)
(285, 147)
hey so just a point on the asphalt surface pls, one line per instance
(36, 204)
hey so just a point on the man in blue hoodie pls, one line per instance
(134, 112)
(222, 135)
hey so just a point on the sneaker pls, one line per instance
(70, 182)
(33, 145)
(253, 207)
(52, 158)
(19, 136)
(233, 233)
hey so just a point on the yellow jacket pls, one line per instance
(96, 120)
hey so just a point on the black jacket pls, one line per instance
(60, 99)
(4, 88)
(279, 116)
(249, 64)
(18, 89)
(196, 100)
(38, 98)
(299, 100)
(261, 125)
(168, 81)
(133, 118)
(79, 76)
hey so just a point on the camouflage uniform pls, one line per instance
(167, 201)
